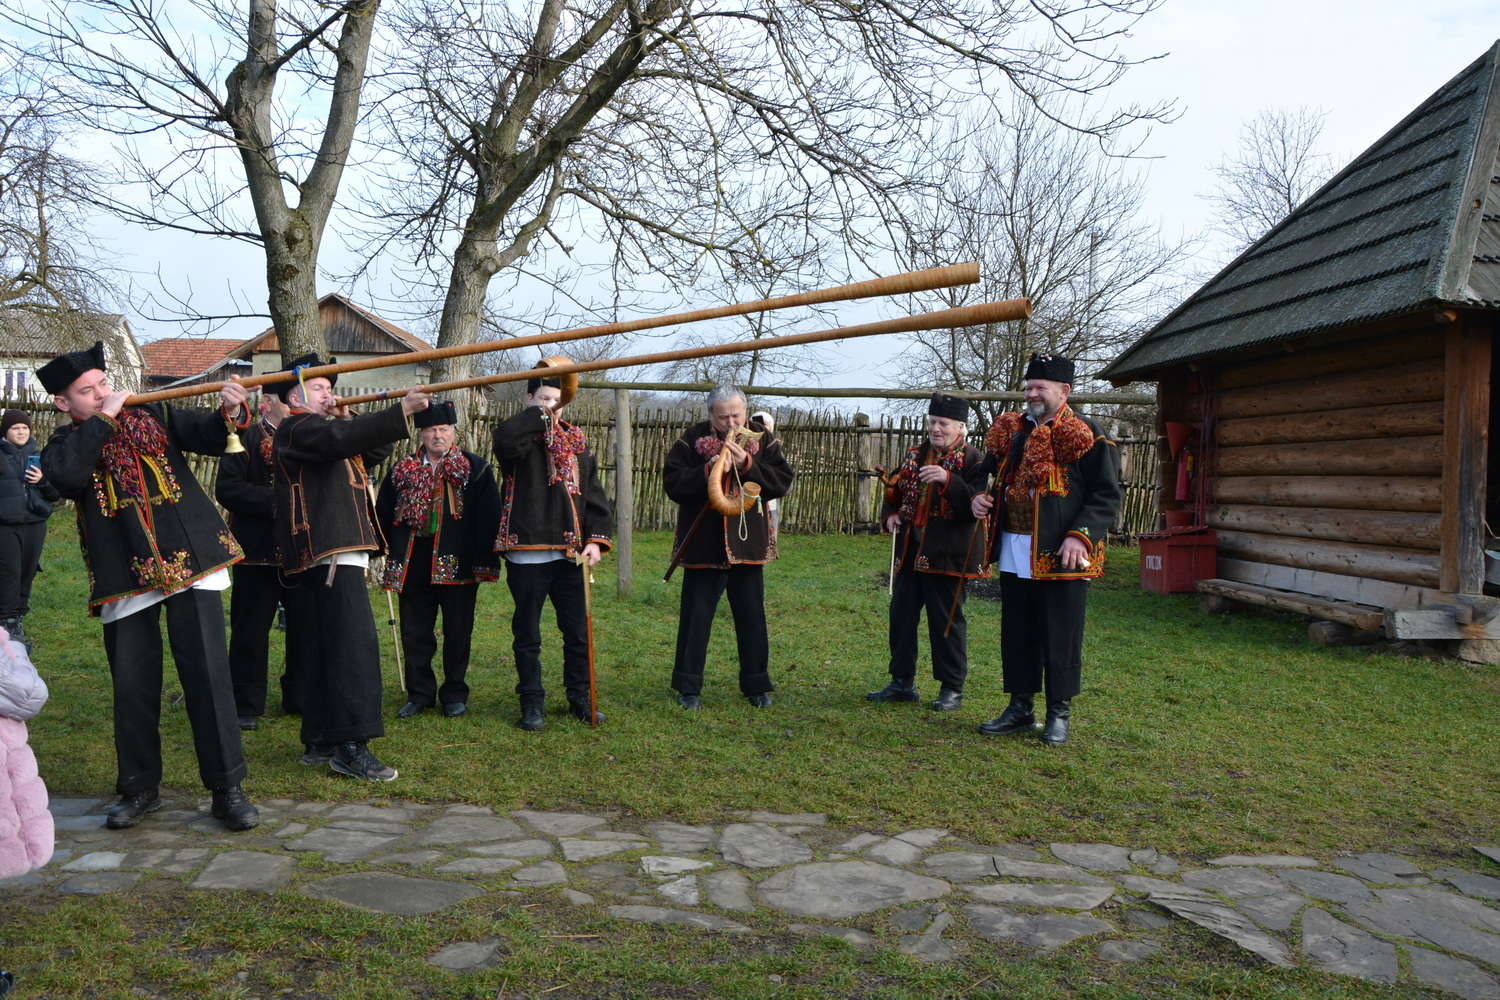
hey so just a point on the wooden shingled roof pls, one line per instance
(1412, 223)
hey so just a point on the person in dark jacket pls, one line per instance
(326, 531)
(553, 511)
(720, 551)
(151, 538)
(244, 489)
(937, 548)
(1057, 477)
(26, 499)
(440, 511)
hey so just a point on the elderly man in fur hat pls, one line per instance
(1057, 477)
(325, 528)
(152, 538)
(440, 511)
(937, 548)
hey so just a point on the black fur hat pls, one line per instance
(438, 413)
(946, 405)
(63, 370)
(1052, 367)
(282, 389)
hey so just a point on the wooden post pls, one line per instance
(864, 477)
(1466, 402)
(624, 494)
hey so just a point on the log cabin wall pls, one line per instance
(1325, 465)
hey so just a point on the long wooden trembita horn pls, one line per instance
(988, 312)
(896, 284)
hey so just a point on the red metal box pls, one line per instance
(1173, 561)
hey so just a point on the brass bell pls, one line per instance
(232, 445)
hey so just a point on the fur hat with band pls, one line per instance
(1052, 367)
(63, 370)
(947, 405)
(283, 389)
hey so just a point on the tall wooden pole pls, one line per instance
(624, 494)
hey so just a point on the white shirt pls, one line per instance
(126, 606)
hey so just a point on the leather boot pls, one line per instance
(531, 717)
(128, 811)
(233, 807)
(1019, 717)
(1055, 733)
(899, 689)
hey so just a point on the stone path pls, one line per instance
(920, 892)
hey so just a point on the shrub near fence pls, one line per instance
(834, 455)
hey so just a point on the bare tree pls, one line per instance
(166, 83)
(49, 261)
(1053, 220)
(1275, 168)
(761, 143)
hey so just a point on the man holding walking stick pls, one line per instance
(553, 509)
(937, 550)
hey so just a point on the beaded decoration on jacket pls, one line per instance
(265, 448)
(912, 487)
(1050, 449)
(419, 486)
(564, 444)
(137, 447)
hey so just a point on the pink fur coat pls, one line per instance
(25, 824)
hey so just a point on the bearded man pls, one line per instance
(1058, 480)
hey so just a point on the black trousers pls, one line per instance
(701, 590)
(195, 628)
(1041, 635)
(20, 558)
(252, 611)
(420, 601)
(912, 593)
(531, 585)
(341, 696)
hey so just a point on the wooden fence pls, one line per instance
(834, 455)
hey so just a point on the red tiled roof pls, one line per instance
(184, 357)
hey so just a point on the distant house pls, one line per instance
(189, 360)
(352, 333)
(1333, 385)
(31, 338)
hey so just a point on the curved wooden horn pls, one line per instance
(569, 380)
(726, 505)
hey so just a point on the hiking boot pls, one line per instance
(580, 710)
(355, 759)
(317, 754)
(128, 811)
(531, 718)
(233, 806)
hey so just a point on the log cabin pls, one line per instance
(1330, 388)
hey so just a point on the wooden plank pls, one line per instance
(1396, 456)
(1375, 352)
(1356, 423)
(1466, 421)
(1406, 529)
(1380, 562)
(1421, 625)
(1416, 382)
(1329, 586)
(1411, 493)
(624, 549)
(1357, 616)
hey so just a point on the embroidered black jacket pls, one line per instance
(245, 490)
(717, 543)
(172, 540)
(323, 503)
(463, 540)
(944, 537)
(537, 512)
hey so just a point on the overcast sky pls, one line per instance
(1366, 62)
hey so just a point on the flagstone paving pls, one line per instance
(1373, 916)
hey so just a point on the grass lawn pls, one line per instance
(1197, 735)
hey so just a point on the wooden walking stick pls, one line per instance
(686, 540)
(582, 560)
(396, 641)
(964, 569)
(891, 576)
